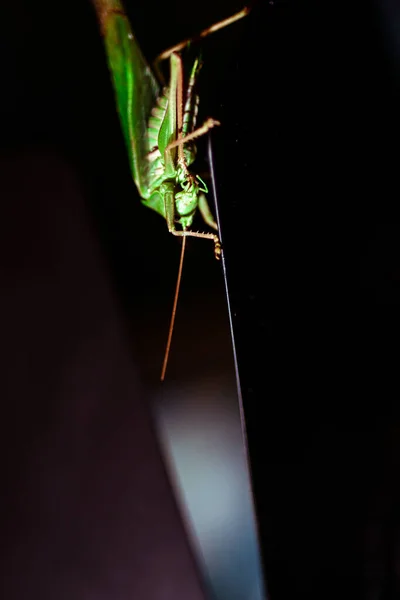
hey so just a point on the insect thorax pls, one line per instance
(187, 197)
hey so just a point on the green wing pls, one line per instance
(168, 129)
(135, 85)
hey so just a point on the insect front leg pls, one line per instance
(167, 191)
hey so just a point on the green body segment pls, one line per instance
(148, 118)
(136, 92)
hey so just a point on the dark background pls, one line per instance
(306, 165)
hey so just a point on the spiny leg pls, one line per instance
(192, 100)
(170, 209)
(207, 125)
(220, 25)
(172, 323)
(169, 204)
(200, 234)
(169, 197)
(181, 140)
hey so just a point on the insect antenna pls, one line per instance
(172, 323)
(179, 94)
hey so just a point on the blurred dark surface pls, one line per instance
(306, 164)
(88, 508)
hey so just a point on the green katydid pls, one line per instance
(159, 126)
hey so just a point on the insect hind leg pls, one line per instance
(202, 235)
(170, 218)
(206, 32)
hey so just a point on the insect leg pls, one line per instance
(220, 25)
(202, 235)
(169, 204)
(207, 125)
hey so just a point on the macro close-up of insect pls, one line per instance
(160, 127)
(262, 134)
(158, 110)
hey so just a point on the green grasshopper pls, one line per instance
(159, 126)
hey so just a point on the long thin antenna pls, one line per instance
(172, 323)
(179, 110)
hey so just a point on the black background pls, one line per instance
(306, 165)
